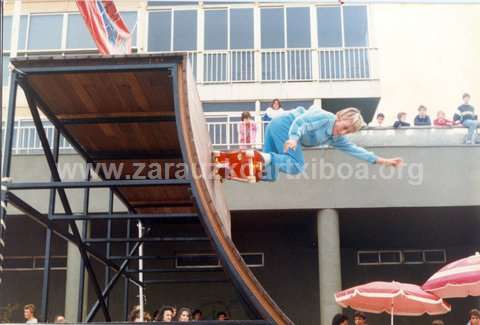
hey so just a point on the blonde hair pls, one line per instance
(353, 115)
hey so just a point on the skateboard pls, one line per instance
(238, 165)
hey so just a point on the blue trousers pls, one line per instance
(472, 127)
(291, 162)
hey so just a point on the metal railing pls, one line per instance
(279, 65)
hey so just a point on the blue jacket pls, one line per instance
(314, 127)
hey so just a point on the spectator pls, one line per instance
(402, 120)
(380, 119)
(165, 314)
(134, 315)
(273, 111)
(184, 315)
(441, 120)
(247, 131)
(340, 319)
(59, 319)
(474, 317)
(29, 314)
(422, 119)
(359, 318)
(197, 315)
(438, 322)
(466, 115)
(222, 316)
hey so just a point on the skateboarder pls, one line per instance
(283, 142)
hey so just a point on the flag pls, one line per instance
(106, 26)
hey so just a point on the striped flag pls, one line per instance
(106, 26)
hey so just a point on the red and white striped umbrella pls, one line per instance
(457, 279)
(395, 298)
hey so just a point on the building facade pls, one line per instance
(380, 57)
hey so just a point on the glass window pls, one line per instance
(298, 27)
(5, 70)
(185, 30)
(216, 30)
(45, 32)
(78, 36)
(241, 28)
(272, 27)
(130, 19)
(329, 26)
(7, 32)
(355, 23)
(22, 35)
(159, 31)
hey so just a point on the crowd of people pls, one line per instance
(170, 314)
(360, 318)
(163, 314)
(463, 117)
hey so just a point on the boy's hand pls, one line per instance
(289, 144)
(395, 162)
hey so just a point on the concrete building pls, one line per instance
(340, 224)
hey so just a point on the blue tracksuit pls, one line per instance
(310, 127)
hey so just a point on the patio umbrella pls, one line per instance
(395, 298)
(457, 279)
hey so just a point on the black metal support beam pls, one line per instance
(126, 284)
(96, 184)
(118, 120)
(122, 216)
(61, 192)
(108, 246)
(42, 219)
(7, 159)
(48, 238)
(186, 281)
(112, 283)
(147, 239)
(202, 270)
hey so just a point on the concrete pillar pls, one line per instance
(72, 288)
(330, 276)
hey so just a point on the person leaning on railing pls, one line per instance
(466, 115)
(273, 111)
(247, 131)
(422, 119)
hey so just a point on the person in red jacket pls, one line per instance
(441, 120)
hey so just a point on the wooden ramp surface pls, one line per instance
(144, 109)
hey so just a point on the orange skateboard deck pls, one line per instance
(238, 165)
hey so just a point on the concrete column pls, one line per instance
(72, 288)
(330, 276)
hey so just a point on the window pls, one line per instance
(22, 35)
(6, 70)
(185, 30)
(216, 22)
(272, 28)
(241, 28)
(159, 31)
(78, 36)
(388, 257)
(33, 263)
(7, 32)
(211, 261)
(329, 27)
(45, 32)
(355, 26)
(130, 19)
(298, 27)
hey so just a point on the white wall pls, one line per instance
(429, 54)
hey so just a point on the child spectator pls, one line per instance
(474, 317)
(340, 319)
(441, 120)
(29, 314)
(165, 314)
(359, 318)
(466, 115)
(422, 119)
(438, 322)
(222, 316)
(380, 119)
(273, 111)
(402, 120)
(197, 315)
(184, 315)
(59, 319)
(247, 131)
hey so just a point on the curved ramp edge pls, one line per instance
(214, 212)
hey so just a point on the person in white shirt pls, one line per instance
(274, 110)
(29, 314)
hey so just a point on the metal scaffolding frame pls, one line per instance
(55, 223)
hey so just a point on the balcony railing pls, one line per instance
(283, 65)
